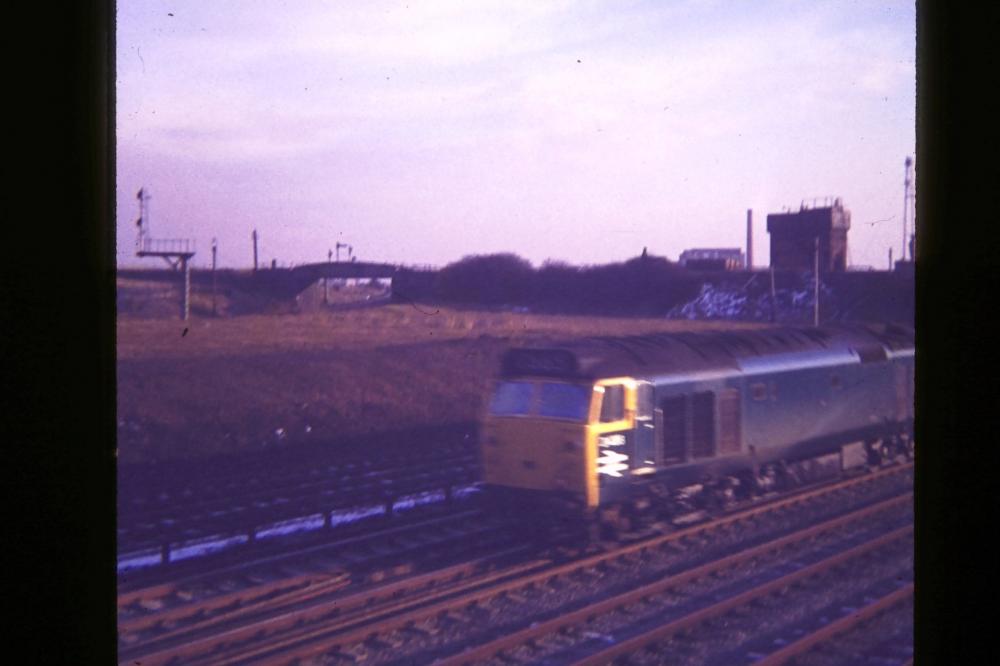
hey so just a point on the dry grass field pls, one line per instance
(217, 385)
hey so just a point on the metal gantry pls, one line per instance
(177, 252)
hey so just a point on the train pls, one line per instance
(618, 428)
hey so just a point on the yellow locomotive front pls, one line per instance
(542, 426)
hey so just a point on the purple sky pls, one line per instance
(578, 131)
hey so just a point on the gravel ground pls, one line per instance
(743, 637)
(885, 640)
(513, 611)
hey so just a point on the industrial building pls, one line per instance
(713, 259)
(794, 236)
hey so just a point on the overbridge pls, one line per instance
(344, 269)
(287, 282)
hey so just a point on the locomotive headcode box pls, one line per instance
(542, 362)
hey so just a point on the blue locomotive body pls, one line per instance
(665, 411)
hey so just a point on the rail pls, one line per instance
(152, 536)
(714, 611)
(537, 630)
(272, 640)
(844, 624)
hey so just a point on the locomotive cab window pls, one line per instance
(644, 401)
(512, 399)
(613, 404)
(564, 401)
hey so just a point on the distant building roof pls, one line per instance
(712, 253)
(717, 258)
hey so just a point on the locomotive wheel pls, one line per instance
(715, 496)
(787, 478)
(613, 522)
(664, 512)
(874, 452)
(593, 531)
(888, 448)
(767, 481)
(620, 519)
(623, 524)
(748, 486)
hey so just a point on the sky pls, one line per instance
(582, 132)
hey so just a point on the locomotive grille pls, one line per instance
(703, 424)
(674, 429)
(729, 421)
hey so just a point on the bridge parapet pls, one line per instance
(344, 269)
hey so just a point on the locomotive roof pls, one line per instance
(740, 351)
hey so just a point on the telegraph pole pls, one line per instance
(326, 278)
(774, 298)
(816, 283)
(215, 245)
(906, 202)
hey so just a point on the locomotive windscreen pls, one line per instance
(512, 399)
(543, 399)
(564, 401)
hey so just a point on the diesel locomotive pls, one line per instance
(620, 427)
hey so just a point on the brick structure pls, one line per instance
(793, 236)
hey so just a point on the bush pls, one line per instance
(492, 279)
(645, 285)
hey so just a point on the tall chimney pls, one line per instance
(254, 250)
(749, 239)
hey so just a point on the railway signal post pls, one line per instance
(177, 252)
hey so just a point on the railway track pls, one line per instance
(487, 617)
(773, 608)
(161, 501)
(346, 494)
(614, 626)
(206, 597)
(370, 530)
(268, 627)
(880, 633)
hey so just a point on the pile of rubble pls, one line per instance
(753, 304)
